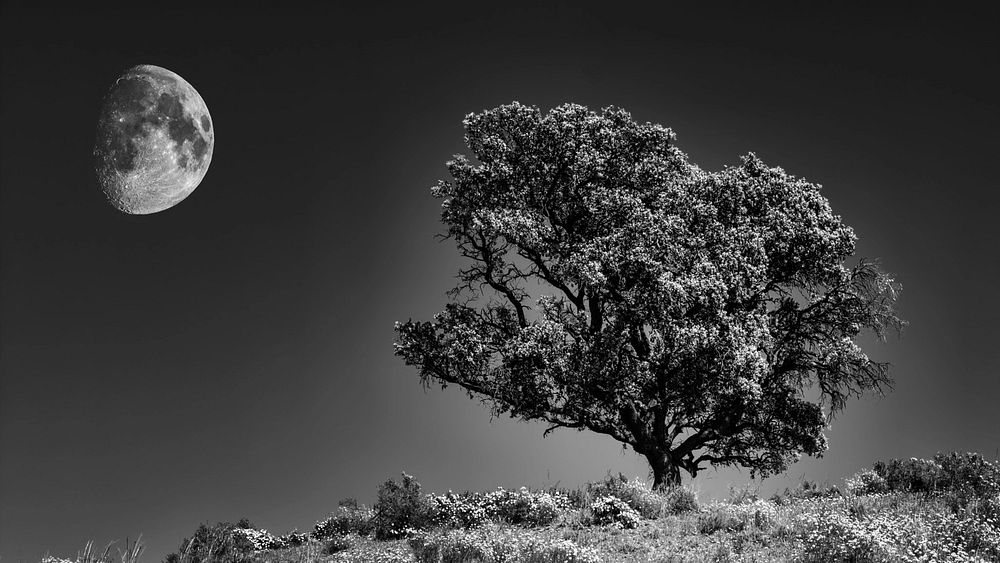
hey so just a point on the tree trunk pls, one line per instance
(665, 473)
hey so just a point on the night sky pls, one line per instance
(232, 356)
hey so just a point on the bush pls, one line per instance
(492, 544)
(337, 543)
(350, 518)
(678, 500)
(524, 507)
(805, 490)
(963, 476)
(467, 510)
(912, 475)
(224, 542)
(612, 510)
(841, 532)
(724, 516)
(969, 475)
(293, 539)
(251, 539)
(400, 507)
(743, 494)
(648, 503)
(577, 498)
(866, 482)
(130, 554)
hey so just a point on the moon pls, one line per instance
(154, 141)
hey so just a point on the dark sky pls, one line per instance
(232, 356)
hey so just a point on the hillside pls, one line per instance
(943, 509)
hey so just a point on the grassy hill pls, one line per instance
(943, 509)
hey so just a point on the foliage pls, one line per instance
(525, 507)
(613, 510)
(350, 518)
(521, 507)
(680, 311)
(292, 539)
(459, 511)
(130, 554)
(965, 475)
(810, 524)
(399, 507)
(337, 543)
(969, 474)
(806, 489)
(910, 475)
(493, 544)
(866, 482)
(648, 503)
(223, 543)
(911, 532)
(758, 514)
(743, 493)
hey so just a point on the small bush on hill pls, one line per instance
(577, 498)
(292, 539)
(466, 510)
(962, 477)
(613, 510)
(679, 500)
(650, 504)
(252, 539)
(337, 543)
(805, 490)
(130, 554)
(969, 474)
(350, 518)
(493, 544)
(910, 475)
(722, 516)
(866, 482)
(894, 528)
(399, 507)
(743, 493)
(223, 543)
(524, 507)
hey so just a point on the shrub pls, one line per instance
(293, 539)
(969, 475)
(839, 532)
(130, 554)
(963, 476)
(744, 493)
(524, 507)
(251, 539)
(650, 504)
(492, 544)
(350, 518)
(613, 510)
(577, 498)
(970, 533)
(399, 507)
(866, 482)
(467, 510)
(910, 475)
(805, 490)
(219, 543)
(337, 543)
(724, 516)
(678, 500)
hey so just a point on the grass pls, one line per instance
(868, 520)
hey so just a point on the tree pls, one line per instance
(703, 318)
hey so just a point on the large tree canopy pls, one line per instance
(700, 317)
